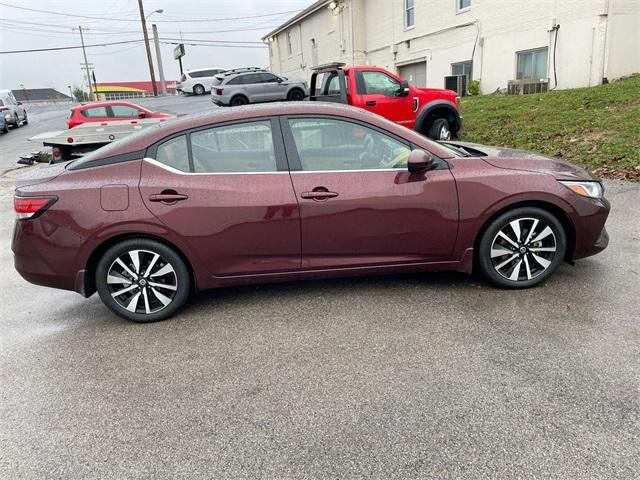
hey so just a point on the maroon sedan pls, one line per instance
(289, 192)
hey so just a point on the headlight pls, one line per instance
(585, 189)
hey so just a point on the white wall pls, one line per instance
(591, 43)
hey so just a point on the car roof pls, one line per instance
(203, 69)
(151, 135)
(106, 103)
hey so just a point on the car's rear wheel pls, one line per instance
(142, 280)
(26, 120)
(295, 95)
(440, 130)
(16, 121)
(239, 100)
(522, 248)
(198, 89)
(5, 128)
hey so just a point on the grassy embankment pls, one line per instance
(597, 128)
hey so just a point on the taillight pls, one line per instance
(31, 207)
(4, 109)
(218, 91)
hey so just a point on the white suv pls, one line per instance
(197, 81)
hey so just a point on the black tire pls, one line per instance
(440, 130)
(238, 101)
(295, 95)
(499, 258)
(5, 129)
(26, 120)
(175, 285)
(198, 90)
(16, 121)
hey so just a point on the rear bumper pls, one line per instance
(37, 268)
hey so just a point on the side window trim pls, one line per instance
(276, 137)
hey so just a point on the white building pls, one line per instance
(493, 41)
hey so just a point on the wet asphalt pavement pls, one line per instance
(417, 376)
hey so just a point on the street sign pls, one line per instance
(178, 52)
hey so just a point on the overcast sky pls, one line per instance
(119, 20)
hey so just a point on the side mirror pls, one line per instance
(279, 80)
(142, 115)
(404, 89)
(419, 161)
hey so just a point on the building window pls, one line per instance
(289, 48)
(532, 65)
(463, 4)
(463, 68)
(409, 17)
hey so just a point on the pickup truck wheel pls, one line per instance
(295, 95)
(198, 89)
(440, 130)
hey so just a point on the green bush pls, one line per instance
(474, 87)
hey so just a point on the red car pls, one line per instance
(434, 112)
(294, 191)
(110, 111)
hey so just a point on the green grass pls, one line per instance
(597, 128)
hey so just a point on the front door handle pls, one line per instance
(167, 196)
(371, 103)
(320, 195)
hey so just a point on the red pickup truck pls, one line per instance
(433, 112)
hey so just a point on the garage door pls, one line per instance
(415, 74)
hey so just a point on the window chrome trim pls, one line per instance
(404, 169)
(156, 163)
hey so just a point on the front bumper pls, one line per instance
(589, 221)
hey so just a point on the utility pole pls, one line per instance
(146, 44)
(163, 85)
(86, 63)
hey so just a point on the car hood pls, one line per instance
(40, 175)
(523, 160)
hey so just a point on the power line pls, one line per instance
(74, 47)
(216, 19)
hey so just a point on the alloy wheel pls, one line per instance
(523, 249)
(445, 133)
(142, 281)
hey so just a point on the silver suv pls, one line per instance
(254, 85)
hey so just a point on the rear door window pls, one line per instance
(174, 153)
(239, 148)
(96, 112)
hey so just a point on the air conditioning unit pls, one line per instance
(457, 83)
(525, 87)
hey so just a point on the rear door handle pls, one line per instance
(371, 103)
(167, 197)
(319, 195)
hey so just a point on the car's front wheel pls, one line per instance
(142, 280)
(295, 95)
(522, 248)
